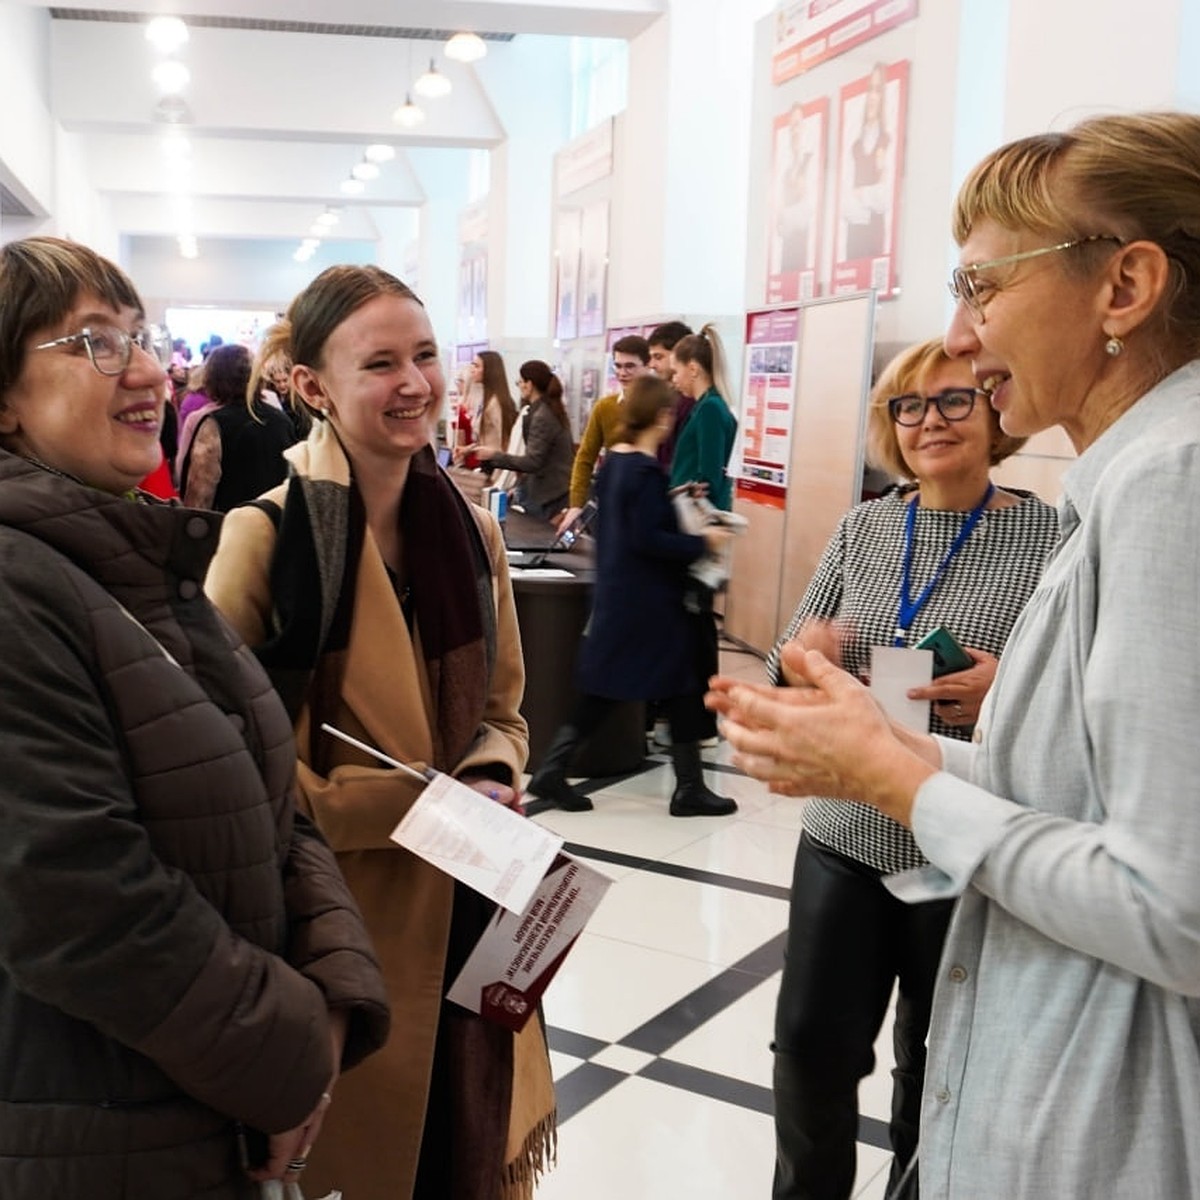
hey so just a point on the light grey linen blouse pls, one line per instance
(1063, 1056)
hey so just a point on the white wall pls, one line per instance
(529, 80)
(27, 130)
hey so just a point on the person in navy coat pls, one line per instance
(641, 642)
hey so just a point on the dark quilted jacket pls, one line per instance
(171, 932)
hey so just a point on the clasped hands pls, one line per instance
(823, 735)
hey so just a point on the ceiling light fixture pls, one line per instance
(329, 217)
(166, 34)
(409, 115)
(171, 76)
(379, 152)
(365, 171)
(433, 84)
(465, 48)
(187, 245)
(353, 187)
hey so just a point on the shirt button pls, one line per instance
(977, 736)
(196, 528)
(958, 974)
(942, 1096)
(189, 589)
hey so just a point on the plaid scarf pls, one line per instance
(322, 527)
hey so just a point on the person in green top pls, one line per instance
(706, 439)
(701, 455)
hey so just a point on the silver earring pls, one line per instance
(1113, 346)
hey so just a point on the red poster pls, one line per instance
(797, 191)
(768, 405)
(870, 168)
(809, 32)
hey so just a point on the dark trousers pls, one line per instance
(686, 715)
(849, 940)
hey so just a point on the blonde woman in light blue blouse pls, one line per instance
(1064, 1051)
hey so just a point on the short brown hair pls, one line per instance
(1134, 176)
(631, 343)
(908, 372)
(645, 398)
(41, 278)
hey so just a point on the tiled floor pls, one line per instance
(660, 1019)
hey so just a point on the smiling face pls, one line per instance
(1040, 346)
(380, 382)
(948, 451)
(102, 429)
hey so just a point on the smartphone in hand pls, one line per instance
(948, 655)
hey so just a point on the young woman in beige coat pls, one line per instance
(379, 601)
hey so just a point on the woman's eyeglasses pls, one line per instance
(966, 288)
(110, 349)
(955, 404)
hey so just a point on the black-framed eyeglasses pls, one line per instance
(109, 349)
(955, 404)
(972, 292)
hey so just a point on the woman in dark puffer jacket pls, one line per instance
(182, 971)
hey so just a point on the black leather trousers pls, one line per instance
(849, 940)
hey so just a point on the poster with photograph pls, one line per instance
(809, 32)
(768, 406)
(870, 168)
(566, 243)
(593, 271)
(795, 209)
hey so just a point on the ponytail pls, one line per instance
(707, 350)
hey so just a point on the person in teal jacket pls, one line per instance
(705, 441)
(702, 450)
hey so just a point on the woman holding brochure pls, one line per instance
(378, 599)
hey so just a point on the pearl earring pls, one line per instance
(1113, 346)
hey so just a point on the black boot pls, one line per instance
(550, 779)
(692, 797)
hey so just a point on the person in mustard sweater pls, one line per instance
(631, 357)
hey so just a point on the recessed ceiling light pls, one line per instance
(328, 217)
(380, 152)
(465, 47)
(166, 34)
(365, 171)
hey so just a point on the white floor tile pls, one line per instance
(736, 1042)
(563, 1064)
(609, 988)
(647, 1141)
(745, 849)
(702, 921)
(622, 1058)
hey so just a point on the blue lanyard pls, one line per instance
(908, 608)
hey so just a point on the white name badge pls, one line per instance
(895, 669)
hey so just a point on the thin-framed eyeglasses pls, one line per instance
(955, 404)
(109, 349)
(966, 288)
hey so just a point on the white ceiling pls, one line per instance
(284, 97)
